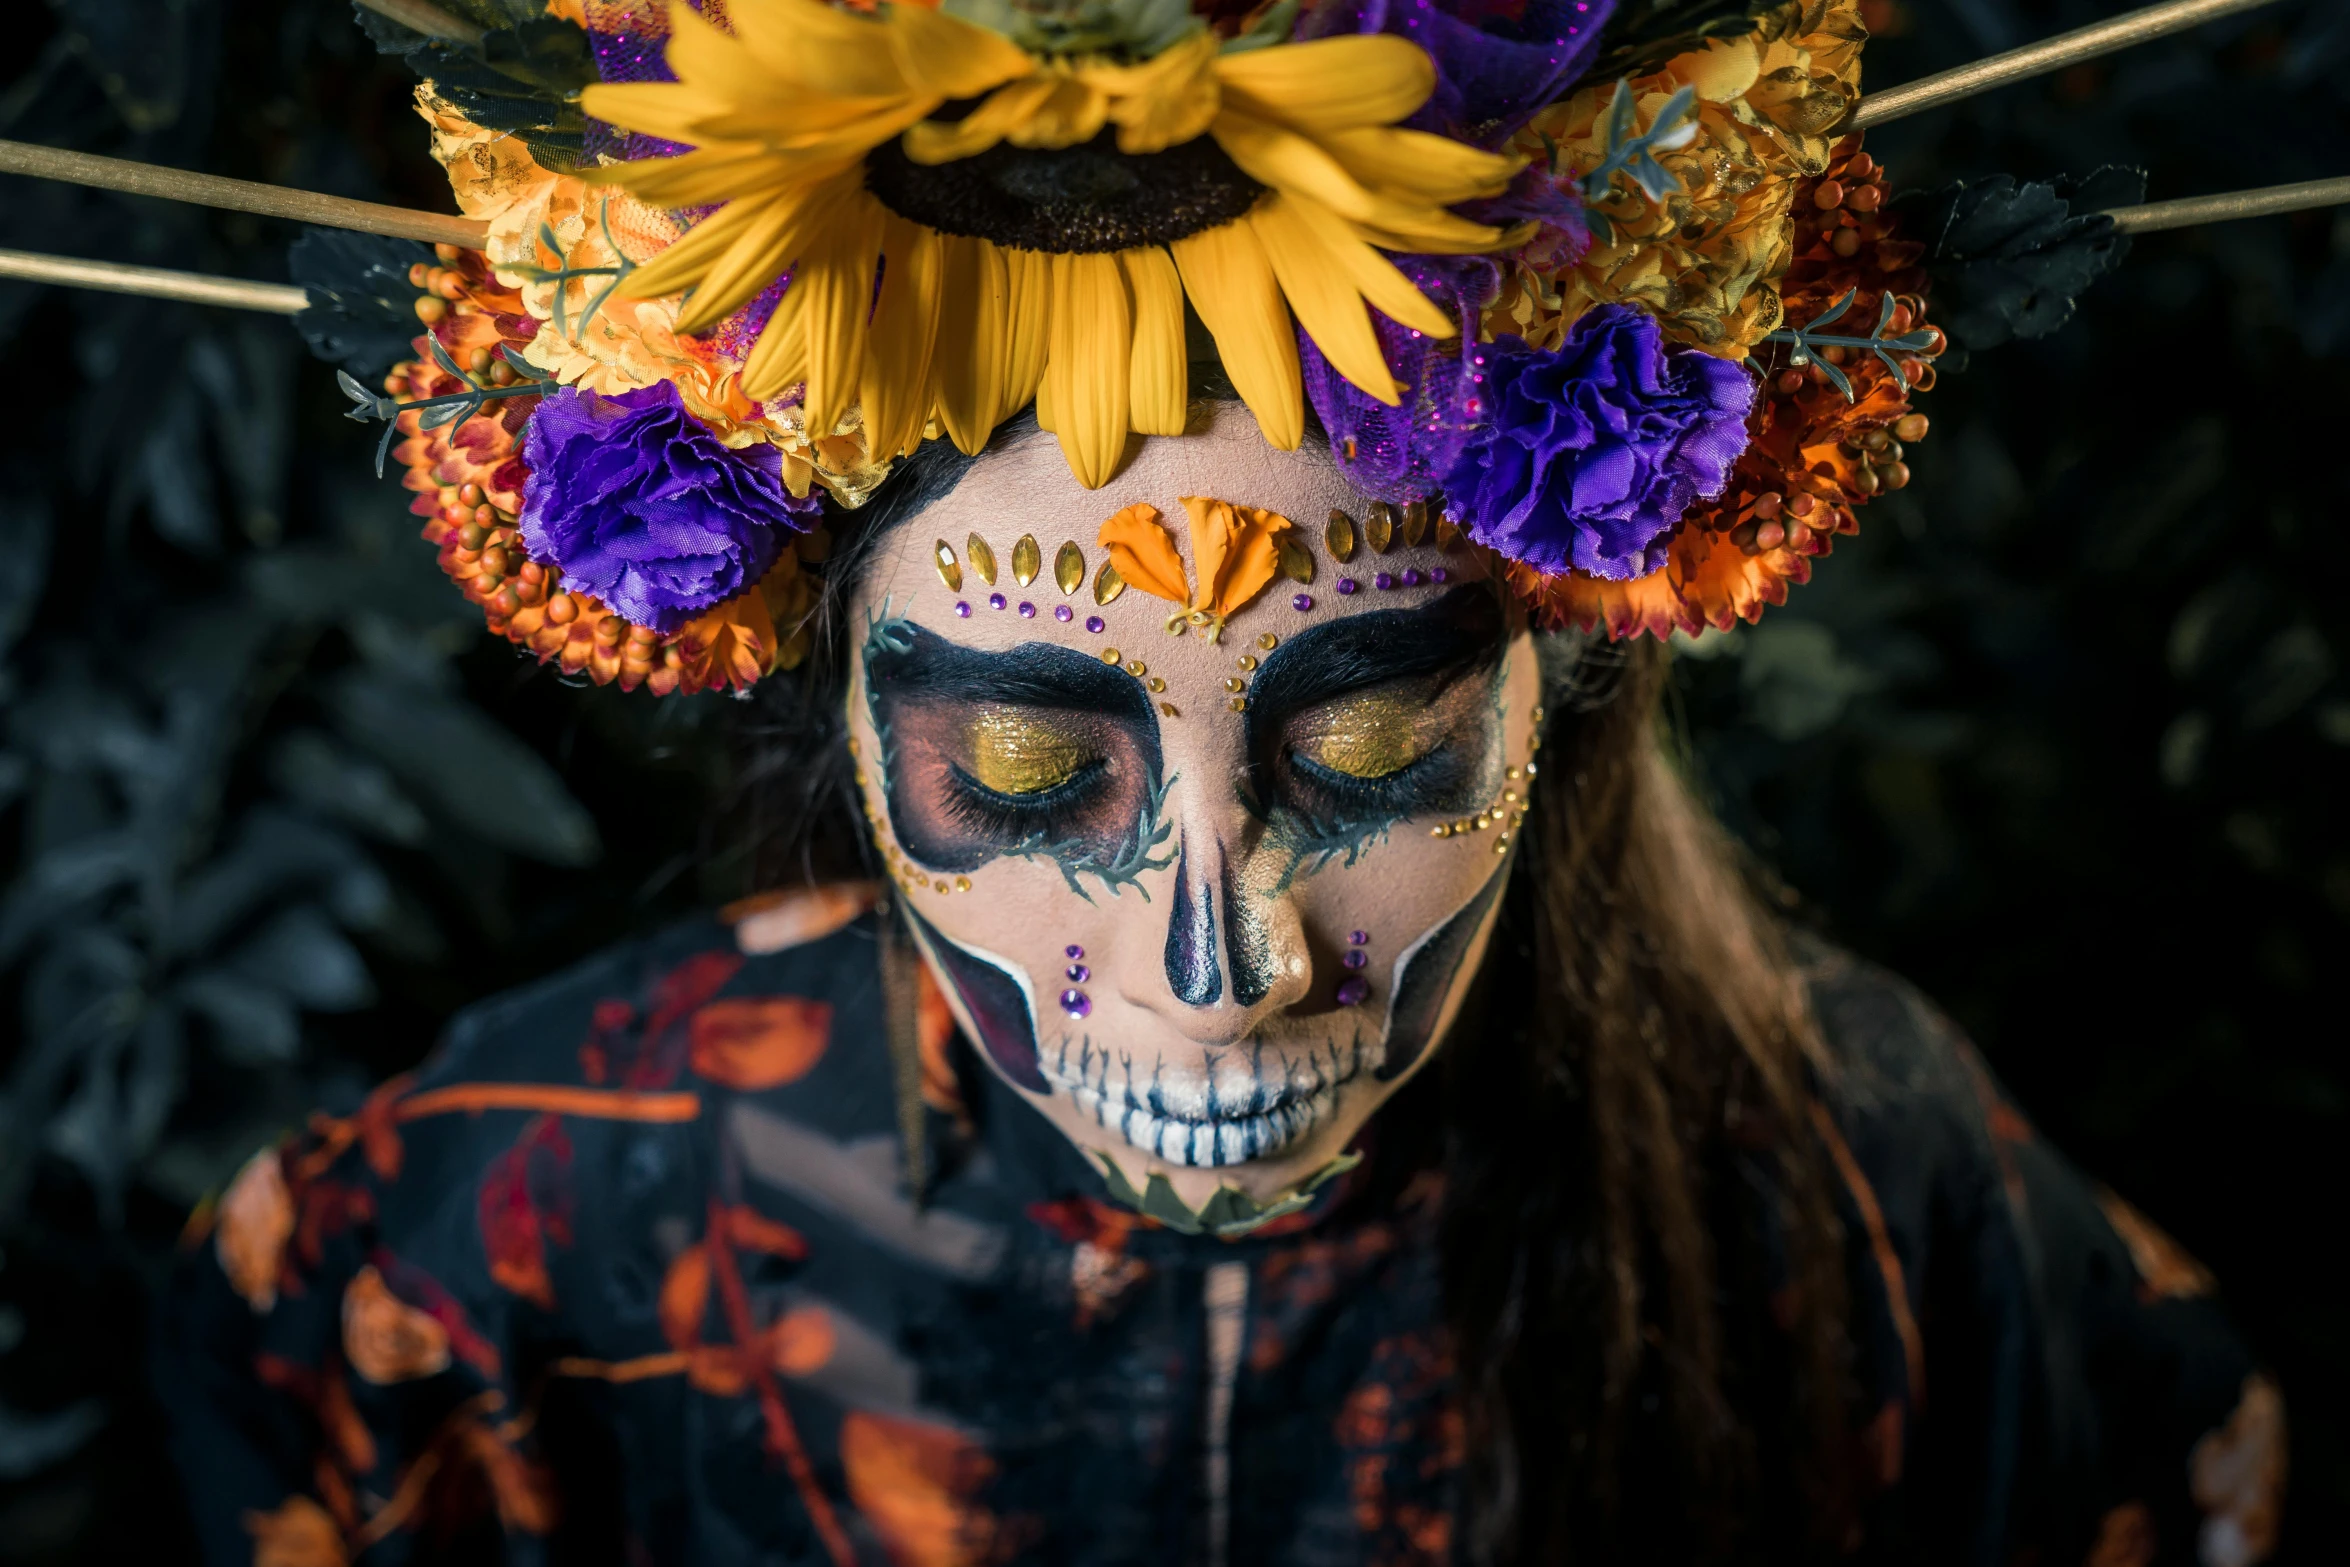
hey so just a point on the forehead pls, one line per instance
(1025, 490)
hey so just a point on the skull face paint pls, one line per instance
(1251, 839)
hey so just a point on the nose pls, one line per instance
(1233, 952)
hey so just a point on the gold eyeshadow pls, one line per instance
(1367, 736)
(1017, 752)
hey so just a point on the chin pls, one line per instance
(1252, 1111)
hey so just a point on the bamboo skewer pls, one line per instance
(212, 190)
(2050, 54)
(114, 277)
(2261, 203)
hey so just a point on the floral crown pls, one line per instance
(1623, 312)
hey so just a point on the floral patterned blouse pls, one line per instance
(628, 1273)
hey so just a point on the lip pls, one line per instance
(1247, 1102)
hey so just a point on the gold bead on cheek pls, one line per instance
(1017, 752)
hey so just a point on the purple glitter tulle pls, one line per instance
(1497, 61)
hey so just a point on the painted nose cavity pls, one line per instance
(1192, 970)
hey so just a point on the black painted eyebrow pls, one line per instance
(1457, 634)
(929, 668)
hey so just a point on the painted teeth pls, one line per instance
(1200, 1124)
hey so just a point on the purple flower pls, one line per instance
(644, 508)
(1593, 453)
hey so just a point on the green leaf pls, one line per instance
(2012, 260)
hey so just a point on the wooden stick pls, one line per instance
(2259, 203)
(419, 16)
(2053, 54)
(154, 282)
(211, 190)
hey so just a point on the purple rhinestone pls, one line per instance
(995, 601)
(1358, 938)
(1075, 952)
(1346, 584)
(1440, 575)
(1356, 958)
(1303, 602)
(1353, 990)
(1093, 623)
(1079, 973)
(1384, 581)
(1074, 1003)
(962, 609)
(1063, 613)
(1027, 611)
(1412, 577)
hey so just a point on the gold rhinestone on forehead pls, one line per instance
(1027, 560)
(981, 557)
(943, 554)
(1069, 568)
(1107, 584)
(1415, 524)
(1379, 527)
(1339, 536)
(1297, 562)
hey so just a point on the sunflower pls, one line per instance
(1042, 245)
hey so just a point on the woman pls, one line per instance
(1259, 1057)
(1492, 1205)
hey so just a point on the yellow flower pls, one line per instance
(808, 123)
(1705, 261)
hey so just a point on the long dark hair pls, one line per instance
(1644, 1266)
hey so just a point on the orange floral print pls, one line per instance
(759, 1042)
(256, 1222)
(296, 1533)
(385, 1338)
(914, 1482)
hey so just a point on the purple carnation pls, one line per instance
(644, 508)
(1595, 451)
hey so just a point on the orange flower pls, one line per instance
(386, 1339)
(1233, 547)
(1814, 458)
(759, 1042)
(256, 1222)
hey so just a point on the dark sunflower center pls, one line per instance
(1072, 200)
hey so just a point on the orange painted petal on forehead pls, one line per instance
(1144, 555)
(1235, 550)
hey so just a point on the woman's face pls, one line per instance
(1203, 902)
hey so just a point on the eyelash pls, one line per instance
(1011, 819)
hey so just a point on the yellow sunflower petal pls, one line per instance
(720, 173)
(1160, 375)
(1328, 305)
(1067, 115)
(898, 378)
(701, 247)
(1289, 162)
(805, 46)
(1416, 164)
(1165, 101)
(1373, 275)
(1144, 555)
(949, 57)
(780, 357)
(1233, 288)
(837, 272)
(1328, 83)
(760, 256)
(1027, 328)
(1085, 372)
(975, 303)
(942, 141)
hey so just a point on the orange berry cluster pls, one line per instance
(469, 478)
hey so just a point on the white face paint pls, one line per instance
(1205, 942)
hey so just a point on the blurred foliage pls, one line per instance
(2058, 736)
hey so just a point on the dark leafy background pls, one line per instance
(2063, 735)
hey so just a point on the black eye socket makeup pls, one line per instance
(1036, 750)
(1358, 723)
